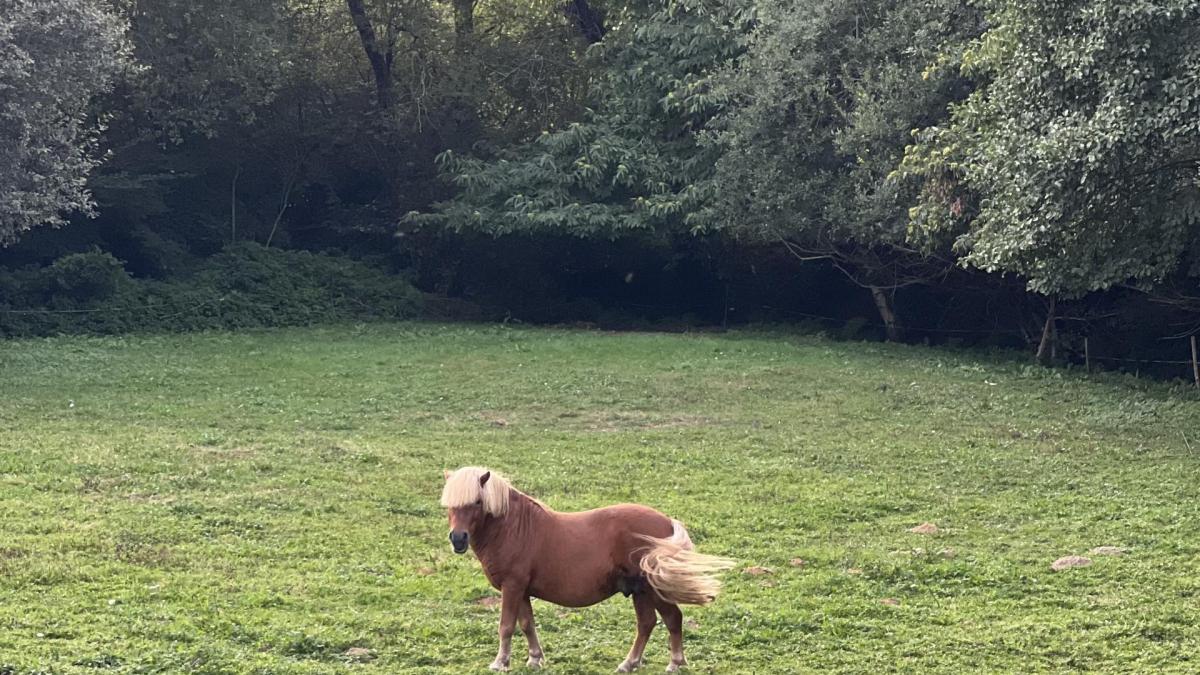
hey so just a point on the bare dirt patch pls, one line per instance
(150, 498)
(142, 553)
(626, 421)
(1070, 562)
(12, 553)
(603, 421)
(217, 452)
(359, 654)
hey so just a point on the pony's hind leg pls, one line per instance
(673, 620)
(643, 604)
(525, 620)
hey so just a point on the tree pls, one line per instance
(202, 124)
(205, 65)
(55, 57)
(633, 162)
(819, 111)
(1077, 164)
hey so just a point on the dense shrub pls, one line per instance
(244, 286)
(86, 277)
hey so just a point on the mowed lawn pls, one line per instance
(267, 502)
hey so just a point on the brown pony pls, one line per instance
(577, 559)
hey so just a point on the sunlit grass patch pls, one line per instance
(267, 501)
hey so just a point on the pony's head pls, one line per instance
(472, 494)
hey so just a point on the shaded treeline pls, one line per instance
(1015, 173)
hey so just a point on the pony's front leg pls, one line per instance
(510, 607)
(525, 619)
(643, 604)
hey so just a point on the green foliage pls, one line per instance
(257, 120)
(633, 163)
(204, 64)
(245, 286)
(1077, 164)
(821, 107)
(262, 502)
(1073, 165)
(86, 277)
(55, 56)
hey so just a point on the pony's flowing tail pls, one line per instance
(677, 573)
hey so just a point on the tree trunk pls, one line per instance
(462, 111)
(381, 60)
(589, 22)
(284, 199)
(237, 172)
(464, 25)
(887, 312)
(1045, 351)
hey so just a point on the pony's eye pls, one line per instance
(479, 502)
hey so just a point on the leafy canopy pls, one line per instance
(634, 161)
(1077, 164)
(55, 56)
(820, 109)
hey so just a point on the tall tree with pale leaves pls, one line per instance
(55, 57)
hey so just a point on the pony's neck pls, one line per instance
(523, 512)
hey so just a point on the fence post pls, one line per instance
(1195, 364)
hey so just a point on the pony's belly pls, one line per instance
(574, 590)
(571, 597)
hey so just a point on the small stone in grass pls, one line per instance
(924, 528)
(797, 562)
(1107, 550)
(359, 654)
(1070, 561)
(757, 571)
(854, 570)
(892, 602)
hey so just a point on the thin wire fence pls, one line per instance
(833, 321)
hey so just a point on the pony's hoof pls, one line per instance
(628, 666)
(674, 667)
(499, 666)
(534, 664)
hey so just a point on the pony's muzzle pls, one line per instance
(459, 541)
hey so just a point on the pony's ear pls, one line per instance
(484, 478)
(446, 474)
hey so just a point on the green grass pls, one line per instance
(263, 502)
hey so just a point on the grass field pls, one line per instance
(267, 502)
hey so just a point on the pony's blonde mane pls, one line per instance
(463, 489)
